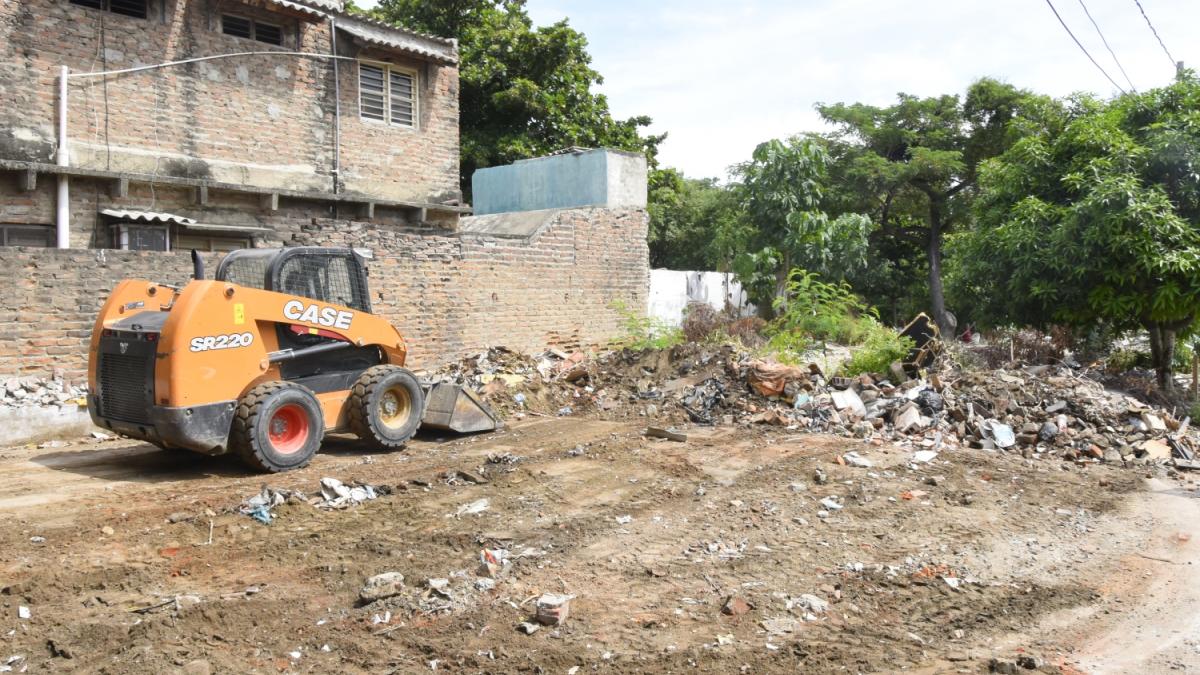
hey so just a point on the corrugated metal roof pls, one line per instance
(312, 7)
(440, 50)
(331, 5)
(147, 217)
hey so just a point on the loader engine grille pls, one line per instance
(123, 387)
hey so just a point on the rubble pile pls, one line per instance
(1036, 410)
(21, 392)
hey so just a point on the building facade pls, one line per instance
(206, 123)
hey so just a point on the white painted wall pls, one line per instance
(671, 291)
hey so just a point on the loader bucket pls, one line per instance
(455, 408)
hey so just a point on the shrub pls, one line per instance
(1124, 360)
(1183, 358)
(1021, 345)
(880, 349)
(700, 321)
(748, 331)
(816, 311)
(644, 332)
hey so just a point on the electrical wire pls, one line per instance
(1166, 51)
(1080, 45)
(1105, 41)
(198, 59)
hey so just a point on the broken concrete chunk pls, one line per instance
(553, 608)
(847, 399)
(909, 418)
(1153, 449)
(813, 604)
(857, 460)
(1154, 422)
(923, 456)
(669, 434)
(781, 625)
(382, 586)
(831, 503)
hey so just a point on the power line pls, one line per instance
(1156, 37)
(1080, 45)
(1105, 41)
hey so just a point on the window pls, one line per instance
(26, 235)
(134, 8)
(141, 237)
(387, 94)
(250, 29)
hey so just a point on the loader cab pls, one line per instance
(333, 275)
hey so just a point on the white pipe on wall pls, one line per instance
(63, 205)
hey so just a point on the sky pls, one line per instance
(721, 77)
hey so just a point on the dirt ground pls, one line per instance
(131, 559)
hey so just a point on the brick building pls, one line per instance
(209, 153)
(286, 146)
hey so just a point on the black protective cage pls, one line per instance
(333, 275)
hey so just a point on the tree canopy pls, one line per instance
(1094, 217)
(782, 225)
(525, 91)
(911, 166)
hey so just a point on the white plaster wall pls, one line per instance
(671, 291)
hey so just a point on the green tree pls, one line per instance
(686, 217)
(783, 226)
(914, 166)
(1095, 218)
(524, 91)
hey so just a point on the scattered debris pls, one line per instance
(735, 605)
(338, 495)
(477, 506)
(831, 503)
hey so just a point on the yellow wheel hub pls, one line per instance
(395, 407)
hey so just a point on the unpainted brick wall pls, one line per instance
(266, 121)
(450, 295)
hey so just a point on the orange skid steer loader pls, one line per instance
(264, 360)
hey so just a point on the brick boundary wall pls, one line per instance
(450, 294)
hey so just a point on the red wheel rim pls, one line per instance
(288, 430)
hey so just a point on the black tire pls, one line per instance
(386, 404)
(278, 427)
